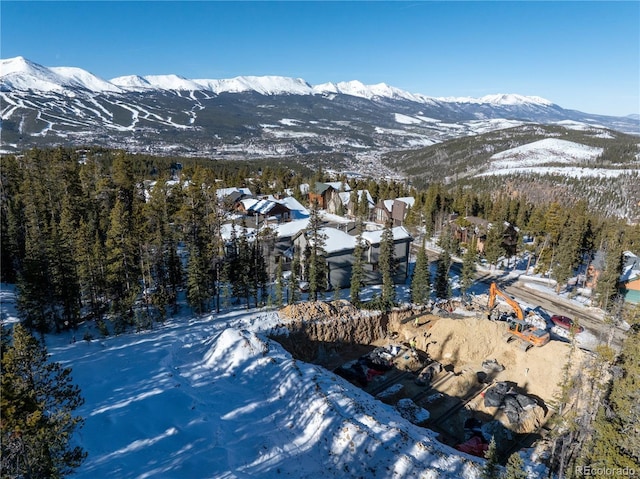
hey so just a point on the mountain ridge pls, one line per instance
(24, 70)
(253, 116)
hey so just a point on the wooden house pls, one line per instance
(392, 210)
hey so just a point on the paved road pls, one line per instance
(590, 318)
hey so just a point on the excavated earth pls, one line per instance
(336, 333)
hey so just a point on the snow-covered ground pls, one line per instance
(211, 396)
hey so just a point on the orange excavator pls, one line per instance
(526, 334)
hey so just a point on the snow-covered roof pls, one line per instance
(261, 207)
(290, 228)
(298, 211)
(339, 185)
(408, 200)
(631, 268)
(224, 192)
(225, 231)
(337, 240)
(375, 237)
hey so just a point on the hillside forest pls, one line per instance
(104, 235)
(111, 237)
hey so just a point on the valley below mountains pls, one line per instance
(372, 130)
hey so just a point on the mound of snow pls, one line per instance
(233, 348)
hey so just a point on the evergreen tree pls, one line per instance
(491, 468)
(493, 244)
(616, 441)
(421, 281)
(197, 294)
(294, 278)
(515, 468)
(317, 266)
(122, 265)
(442, 286)
(353, 202)
(37, 403)
(467, 274)
(279, 290)
(606, 290)
(357, 269)
(242, 273)
(363, 205)
(387, 267)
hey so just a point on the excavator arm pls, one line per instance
(494, 291)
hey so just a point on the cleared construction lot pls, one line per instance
(458, 377)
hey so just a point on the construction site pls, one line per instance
(453, 370)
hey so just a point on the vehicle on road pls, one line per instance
(566, 323)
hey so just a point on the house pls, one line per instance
(401, 250)
(349, 206)
(510, 236)
(471, 228)
(264, 210)
(339, 249)
(393, 210)
(630, 278)
(322, 194)
(231, 196)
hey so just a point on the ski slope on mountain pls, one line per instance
(21, 74)
(213, 397)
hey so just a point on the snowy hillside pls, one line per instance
(553, 156)
(253, 116)
(213, 397)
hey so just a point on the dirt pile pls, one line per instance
(319, 310)
(466, 343)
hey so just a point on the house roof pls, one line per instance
(262, 207)
(224, 192)
(320, 188)
(298, 211)
(631, 268)
(291, 228)
(375, 237)
(226, 229)
(337, 240)
(408, 200)
(339, 186)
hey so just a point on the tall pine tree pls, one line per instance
(317, 265)
(387, 267)
(357, 269)
(421, 281)
(37, 400)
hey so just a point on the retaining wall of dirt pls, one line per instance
(319, 329)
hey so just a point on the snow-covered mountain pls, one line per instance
(249, 116)
(21, 74)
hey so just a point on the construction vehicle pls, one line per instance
(494, 291)
(526, 334)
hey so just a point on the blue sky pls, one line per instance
(580, 55)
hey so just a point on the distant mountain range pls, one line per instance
(249, 116)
